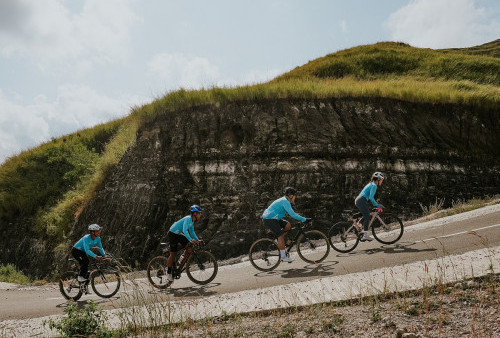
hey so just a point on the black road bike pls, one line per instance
(200, 266)
(344, 236)
(104, 278)
(312, 247)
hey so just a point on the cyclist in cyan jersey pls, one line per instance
(81, 250)
(368, 194)
(181, 233)
(273, 219)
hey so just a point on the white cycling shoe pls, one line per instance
(367, 237)
(82, 279)
(170, 278)
(287, 259)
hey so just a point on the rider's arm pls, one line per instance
(289, 210)
(86, 247)
(101, 250)
(373, 190)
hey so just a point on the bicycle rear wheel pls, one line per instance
(157, 272)
(201, 267)
(312, 246)
(264, 254)
(105, 282)
(69, 286)
(343, 237)
(387, 228)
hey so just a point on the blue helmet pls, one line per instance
(195, 208)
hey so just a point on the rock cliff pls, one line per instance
(235, 158)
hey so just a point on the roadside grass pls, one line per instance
(9, 274)
(435, 210)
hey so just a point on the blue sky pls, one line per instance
(71, 64)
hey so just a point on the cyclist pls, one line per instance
(81, 250)
(182, 232)
(273, 219)
(367, 194)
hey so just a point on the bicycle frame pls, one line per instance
(291, 242)
(355, 220)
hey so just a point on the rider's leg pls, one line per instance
(362, 205)
(281, 243)
(83, 260)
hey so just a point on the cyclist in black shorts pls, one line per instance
(181, 233)
(273, 219)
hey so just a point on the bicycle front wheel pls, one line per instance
(312, 246)
(343, 237)
(264, 254)
(387, 228)
(105, 282)
(157, 272)
(201, 267)
(69, 286)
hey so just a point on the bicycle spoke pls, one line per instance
(69, 286)
(264, 254)
(106, 283)
(201, 267)
(157, 272)
(313, 246)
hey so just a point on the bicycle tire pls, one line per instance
(264, 254)
(157, 272)
(69, 286)
(313, 246)
(201, 267)
(105, 282)
(343, 237)
(389, 231)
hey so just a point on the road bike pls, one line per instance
(344, 236)
(312, 247)
(104, 279)
(200, 266)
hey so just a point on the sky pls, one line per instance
(66, 65)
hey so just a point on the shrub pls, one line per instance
(9, 274)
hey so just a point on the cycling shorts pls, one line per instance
(175, 240)
(275, 225)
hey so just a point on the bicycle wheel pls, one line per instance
(312, 246)
(264, 254)
(387, 228)
(157, 272)
(201, 267)
(343, 237)
(105, 282)
(69, 286)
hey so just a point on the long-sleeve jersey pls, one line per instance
(368, 192)
(279, 208)
(185, 226)
(86, 242)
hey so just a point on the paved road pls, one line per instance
(420, 242)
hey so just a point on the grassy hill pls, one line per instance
(44, 189)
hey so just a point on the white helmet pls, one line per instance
(378, 174)
(94, 227)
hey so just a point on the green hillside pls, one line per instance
(44, 188)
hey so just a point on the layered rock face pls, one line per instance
(234, 159)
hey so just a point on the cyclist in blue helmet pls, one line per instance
(180, 234)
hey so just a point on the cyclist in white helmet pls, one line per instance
(81, 250)
(368, 194)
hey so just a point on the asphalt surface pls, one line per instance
(418, 243)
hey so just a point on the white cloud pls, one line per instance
(172, 71)
(76, 107)
(51, 36)
(443, 24)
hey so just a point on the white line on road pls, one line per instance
(459, 233)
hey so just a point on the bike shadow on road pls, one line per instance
(192, 291)
(83, 303)
(390, 249)
(312, 270)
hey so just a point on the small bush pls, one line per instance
(81, 322)
(9, 274)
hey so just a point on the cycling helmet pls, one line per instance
(378, 174)
(94, 227)
(195, 208)
(290, 191)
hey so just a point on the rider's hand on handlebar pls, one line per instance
(380, 208)
(195, 242)
(308, 220)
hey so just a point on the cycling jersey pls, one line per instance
(185, 226)
(86, 242)
(368, 192)
(279, 208)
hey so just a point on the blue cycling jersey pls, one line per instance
(279, 208)
(368, 192)
(185, 226)
(86, 242)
